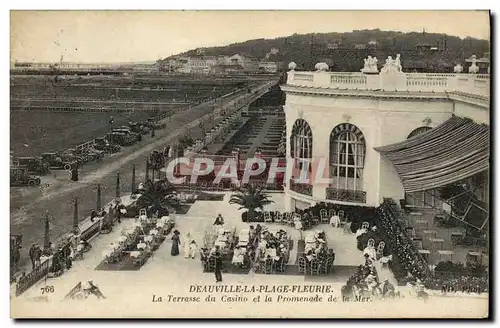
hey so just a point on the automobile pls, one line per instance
(56, 162)
(105, 146)
(34, 165)
(20, 177)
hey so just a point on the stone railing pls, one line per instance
(478, 84)
(344, 195)
(301, 188)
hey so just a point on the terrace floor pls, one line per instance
(130, 293)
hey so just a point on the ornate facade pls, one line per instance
(343, 117)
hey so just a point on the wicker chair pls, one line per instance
(302, 265)
(278, 218)
(314, 267)
(332, 213)
(267, 217)
(324, 216)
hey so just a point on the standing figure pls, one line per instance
(335, 221)
(31, 252)
(187, 245)
(218, 264)
(192, 249)
(175, 243)
(397, 63)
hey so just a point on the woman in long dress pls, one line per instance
(175, 243)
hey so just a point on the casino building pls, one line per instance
(388, 134)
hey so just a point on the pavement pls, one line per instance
(27, 209)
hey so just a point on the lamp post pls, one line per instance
(133, 180)
(46, 236)
(117, 190)
(98, 203)
(76, 222)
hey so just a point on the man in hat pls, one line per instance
(32, 255)
(388, 289)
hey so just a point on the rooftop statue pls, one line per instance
(370, 65)
(473, 69)
(321, 67)
(458, 68)
(392, 65)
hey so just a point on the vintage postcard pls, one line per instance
(250, 164)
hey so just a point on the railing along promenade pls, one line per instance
(475, 84)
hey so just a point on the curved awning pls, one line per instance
(454, 150)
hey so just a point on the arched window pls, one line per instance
(347, 157)
(418, 131)
(301, 142)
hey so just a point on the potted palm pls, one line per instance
(157, 196)
(251, 198)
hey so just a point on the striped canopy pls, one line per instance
(454, 150)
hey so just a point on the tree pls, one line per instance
(251, 198)
(158, 196)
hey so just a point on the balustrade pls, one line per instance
(301, 188)
(418, 82)
(345, 195)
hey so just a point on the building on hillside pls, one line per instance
(360, 46)
(201, 64)
(248, 64)
(268, 67)
(332, 46)
(396, 135)
(227, 69)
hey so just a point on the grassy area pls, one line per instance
(45, 131)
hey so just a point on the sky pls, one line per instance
(131, 36)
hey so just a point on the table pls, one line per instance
(438, 241)
(446, 253)
(475, 255)
(430, 233)
(425, 253)
(421, 223)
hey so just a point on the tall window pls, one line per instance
(347, 157)
(301, 143)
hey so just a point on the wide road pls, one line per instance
(27, 206)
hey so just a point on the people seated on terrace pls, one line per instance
(310, 256)
(371, 281)
(371, 252)
(93, 215)
(335, 220)
(141, 245)
(238, 256)
(368, 261)
(388, 289)
(360, 232)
